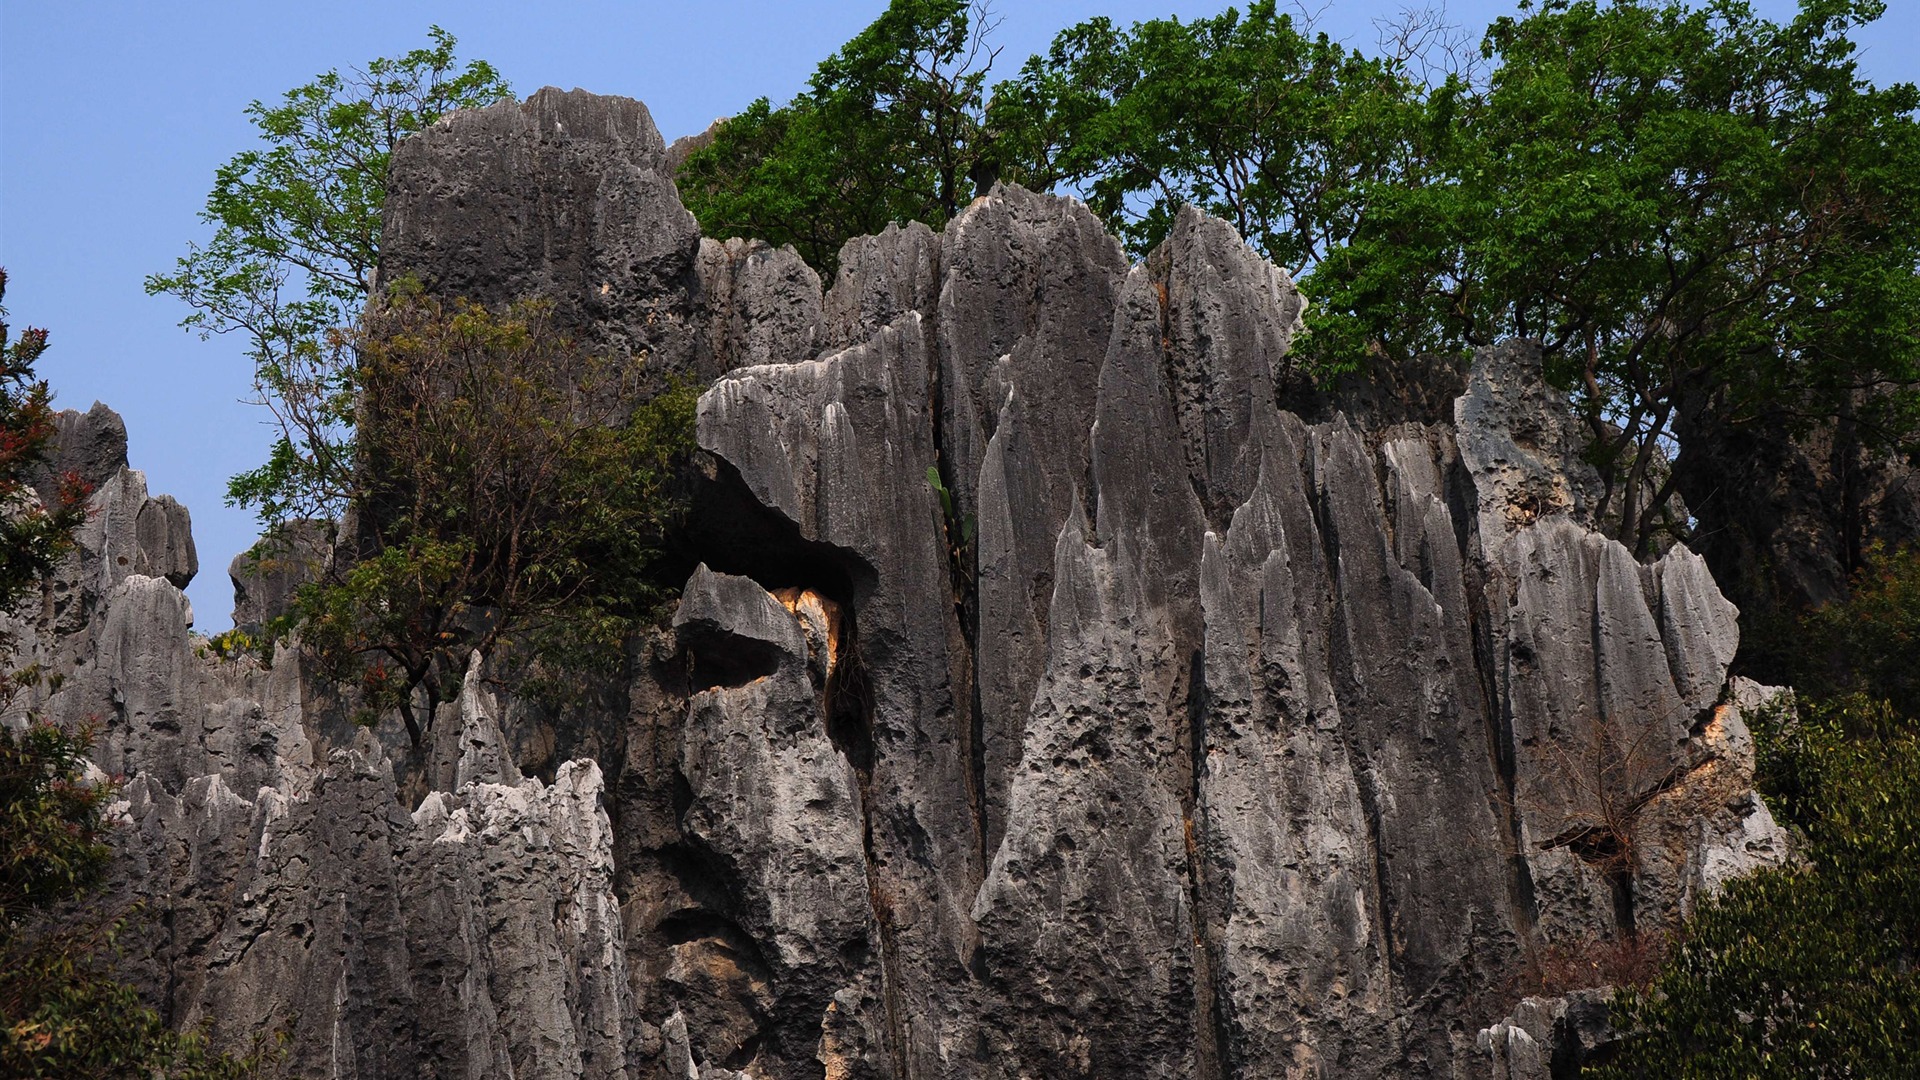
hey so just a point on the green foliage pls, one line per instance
(1685, 205)
(1806, 972)
(32, 536)
(1695, 210)
(1278, 131)
(50, 830)
(234, 643)
(296, 241)
(963, 527)
(961, 530)
(508, 495)
(1812, 971)
(62, 1013)
(888, 130)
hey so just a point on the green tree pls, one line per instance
(511, 500)
(888, 130)
(1683, 204)
(1277, 130)
(295, 245)
(1811, 971)
(62, 1013)
(1698, 212)
(1695, 210)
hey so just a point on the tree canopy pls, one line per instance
(888, 129)
(1681, 204)
(508, 491)
(1276, 129)
(1692, 208)
(296, 243)
(502, 486)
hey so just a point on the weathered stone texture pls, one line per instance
(266, 578)
(567, 197)
(1199, 739)
(1549, 1037)
(90, 447)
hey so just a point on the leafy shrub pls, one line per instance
(508, 493)
(62, 1013)
(33, 535)
(1810, 971)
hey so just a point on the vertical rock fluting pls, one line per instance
(283, 889)
(566, 196)
(1195, 740)
(1331, 724)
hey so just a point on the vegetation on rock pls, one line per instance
(503, 488)
(889, 129)
(295, 248)
(1280, 131)
(62, 1011)
(1811, 971)
(1688, 206)
(32, 534)
(1692, 208)
(507, 492)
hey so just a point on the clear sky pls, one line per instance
(114, 115)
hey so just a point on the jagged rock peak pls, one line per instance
(89, 446)
(565, 196)
(1048, 698)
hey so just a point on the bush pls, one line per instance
(509, 497)
(62, 1013)
(1809, 971)
(33, 535)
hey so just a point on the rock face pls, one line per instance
(266, 578)
(1550, 1037)
(1195, 740)
(90, 447)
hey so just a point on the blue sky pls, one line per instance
(114, 115)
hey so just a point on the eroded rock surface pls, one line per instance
(1185, 738)
(1284, 734)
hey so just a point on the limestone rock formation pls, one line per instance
(90, 447)
(266, 578)
(1197, 738)
(566, 196)
(1550, 1037)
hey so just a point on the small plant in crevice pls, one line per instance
(1586, 792)
(235, 643)
(960, 530)
(1628, 959)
